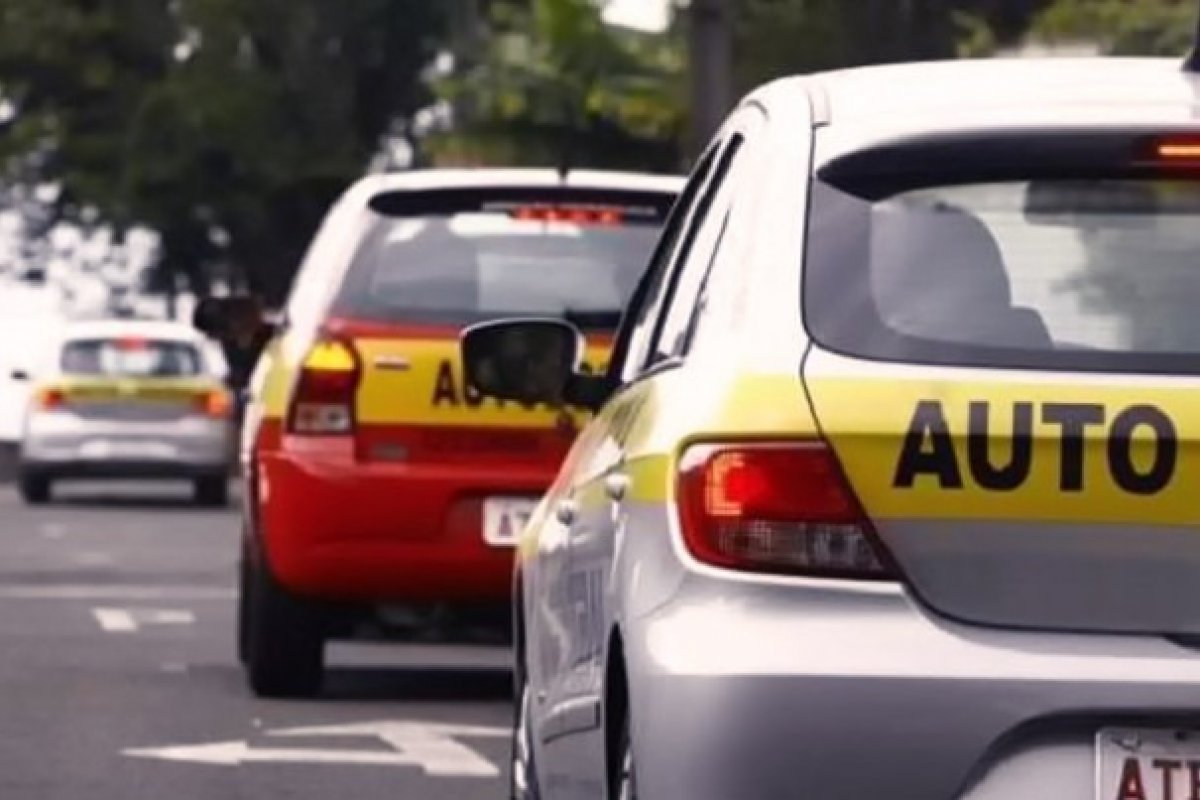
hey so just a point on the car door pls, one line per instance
(659, 328)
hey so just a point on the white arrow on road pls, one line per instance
(429, 746)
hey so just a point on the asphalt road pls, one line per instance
(118, 679)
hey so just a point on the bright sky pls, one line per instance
(650, 15)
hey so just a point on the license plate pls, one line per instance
(131, 450)
(1147, 764)
(504, 518)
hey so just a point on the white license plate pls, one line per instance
(1147, 764)
(131, 450)
(504, 518)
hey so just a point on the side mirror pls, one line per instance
(526, 360)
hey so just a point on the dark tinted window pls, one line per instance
(130, 358)
(579, 258)
(1089, 271)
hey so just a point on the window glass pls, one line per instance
(130, 358)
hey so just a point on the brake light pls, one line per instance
(1174, 150)
(578, 215)
(49, 398)
(214, 403)
(323, 403)
(779, 508)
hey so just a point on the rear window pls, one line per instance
(478, 258)
(130, 358)
(1081, 269)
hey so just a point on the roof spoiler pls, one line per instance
(1192, 62)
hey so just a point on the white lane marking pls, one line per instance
(429, 746)
(115, 592)
(129, 620)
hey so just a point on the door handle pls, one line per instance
(567, 512)
(616, 486)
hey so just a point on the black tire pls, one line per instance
(625, 781)
(211, 491)
(285, 643)
(35, 489)
(523, 780)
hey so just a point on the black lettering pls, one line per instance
(939, 460)
(1166, 768)
(1120, 450)
(1016, 471)
(1193, 768)
(1073, 418)
(444, 390)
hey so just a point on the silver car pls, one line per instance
(891, 488)
(128, 399)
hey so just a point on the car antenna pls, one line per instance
(1192, 62)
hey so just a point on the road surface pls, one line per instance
(118, 679)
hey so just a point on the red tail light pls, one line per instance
(778, 508)
(323, 403)
(49, 398)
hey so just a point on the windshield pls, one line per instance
(480, 264)
(1096, 273)
(130, 358)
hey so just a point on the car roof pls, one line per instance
(489, 178)
(1003, 91)
(109, 328)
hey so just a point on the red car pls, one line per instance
(373, 478)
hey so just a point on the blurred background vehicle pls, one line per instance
(373, 477)
(126, 399)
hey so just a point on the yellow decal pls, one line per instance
(1037, 452)
(429, 389)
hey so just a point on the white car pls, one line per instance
(128, 399)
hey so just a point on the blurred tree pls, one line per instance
(226, 125)
(781, 37)
(1122, 27)
(551, 84)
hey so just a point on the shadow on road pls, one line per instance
(417, 683)
(131, 502)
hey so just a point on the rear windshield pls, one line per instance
(130, 358)
(573, 258)
(1092, 271)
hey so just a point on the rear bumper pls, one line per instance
(64, 445)
(122, 469)
(343, 530)
(778, 691)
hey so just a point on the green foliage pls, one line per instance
(226, 125)
(1122, 27)
(552, 84)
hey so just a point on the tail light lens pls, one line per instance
(50, 398)
(323, 403)
(214, 403)
(776, 508)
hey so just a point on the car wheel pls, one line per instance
(35, 489)
(285, 639)
(626, 777)
(523, 774)
(211, 490)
